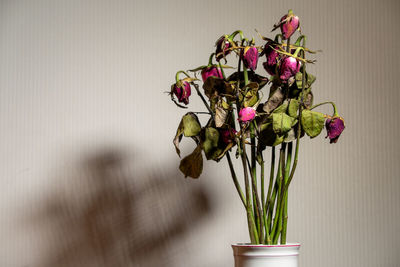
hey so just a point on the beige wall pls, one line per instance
(84, 79)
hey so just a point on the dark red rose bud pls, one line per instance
(182, 92)
(289, 24)
(223, 46)
(334, 127)
(250, 57)
(272, 58)
(288, 68)
(228, 135)
(211, 71)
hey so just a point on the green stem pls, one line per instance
(303, 82)
(335, 113)
(252, 226)
(235, 33)
(277, 220)
(263, 202)
(271, 204)
(246, 76)
(268, 200)
(210, 59)
(235, 180)
(285, 196)
(256, 199)
(222, 70)
(179, 72)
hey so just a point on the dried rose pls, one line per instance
(222, 49)
(334, 127)
(211, 71)
(272, 58)
(182, 91)
(289, 24)
(250, 57)
(288, 68)
(228, 135)
(247, 114)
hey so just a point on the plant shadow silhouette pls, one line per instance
(107, 214)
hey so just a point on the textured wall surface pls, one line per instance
(88, 170)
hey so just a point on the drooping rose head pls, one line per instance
(272, 58)
(247, 114)
(250, 57)
(222, 49)
(211, 71)
(289, 24)
(334, 127)
(228, 135)
(182, 91)
(288, 68)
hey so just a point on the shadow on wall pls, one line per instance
(107, 216)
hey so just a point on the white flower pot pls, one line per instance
(247, 255)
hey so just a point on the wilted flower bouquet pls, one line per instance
(245, 120)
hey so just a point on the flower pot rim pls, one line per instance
(248, 245)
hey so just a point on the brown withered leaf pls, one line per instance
(212, 85)
(178, 138)
(308, 100)
(189, 126)
(274, 101)
(192, 164)
(220, 116)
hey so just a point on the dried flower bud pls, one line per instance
(250, 57)
(289, 24)
(223, 46)
(228, 135)
(182, 91)
(247, 114)
(211, 71)
(334, 127)
(272, 58)
(288, 68)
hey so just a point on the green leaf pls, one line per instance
(281, 123)
(210, 144)
(251, 96)
(191, 125)
(192, 165)
(282, 108)
(312, 122)
(293, 108)
(309, 80)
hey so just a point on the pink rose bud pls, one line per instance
(334, 127)
(223, 46)
(250, 57)
(211, 71)
(272, 58)
(247, 114)
(182, 92)
(288, 68)
(289, 24)
(228, 135)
